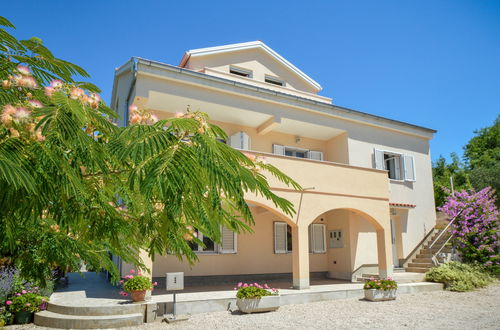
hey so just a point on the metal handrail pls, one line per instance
(433, 257)
(445, 228)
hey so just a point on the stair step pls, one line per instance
(422, 260)
(65, 321)
(126, 308)
(420, 264)
(417, 269)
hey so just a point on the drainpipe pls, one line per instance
(132, 86)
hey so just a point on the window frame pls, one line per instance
(312, 238)
(218, 248)
(240, 72)
(274, 81)
(288, 240)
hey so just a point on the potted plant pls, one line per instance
(24, 304)
(137, 286)
(254, 298)
(380, 289)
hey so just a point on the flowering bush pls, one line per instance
(476, 231)
(136, 283)
(254, 291)
(380, 284)
(7, 278)
(26, 301)
(460, 277)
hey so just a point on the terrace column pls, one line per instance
(146, 260)
(384, 249)
(300, 253)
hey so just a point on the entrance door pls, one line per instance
(395, 259)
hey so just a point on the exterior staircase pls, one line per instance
(90, 317)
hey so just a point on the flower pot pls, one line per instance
(23, 317)
(255, 305)
(380, 295)
(138, 295)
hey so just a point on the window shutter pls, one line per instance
(280, 241)
(409, 168)
(318, 238)
(379, 159)
(240, 140)
(278, 149)
(398, 164)
(316, 155)
(228, 241)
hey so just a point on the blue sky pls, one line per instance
(434, 63)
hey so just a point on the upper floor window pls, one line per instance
(398, 166)
(274, 81)
(240, 72)
(279, 149)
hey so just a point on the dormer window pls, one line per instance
(240, 72)
(274, 81)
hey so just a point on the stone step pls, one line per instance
(420, 264)
(424, 255)
(122, 309)
(422, 260)
(64, 321)
(417, 269)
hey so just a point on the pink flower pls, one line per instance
(235, 288)
(240, 284)
(28, 304)
(49, 91)
(8, 302)
(133, 108)
(24, 70)
(134, 119)
(123, 293)
(132, 271)
(9, 109)
(266, 286)
(18, 294)
(22, 113)
(14, 133)
(245, 285)
(155, 283)
(56, 84)
(76, 93)
(35, 103)
(23, 292)
(128, 277)
(122, 281)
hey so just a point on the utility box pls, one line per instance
(335, 239)
(175, 281)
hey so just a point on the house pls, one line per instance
(367, 201)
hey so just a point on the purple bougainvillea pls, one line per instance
(476, 231)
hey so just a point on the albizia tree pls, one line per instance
(74, 187)
(476, 230)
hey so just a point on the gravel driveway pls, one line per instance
(428, 310)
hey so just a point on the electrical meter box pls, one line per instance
(175, 281)
(336, 239)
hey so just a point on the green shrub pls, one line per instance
(459, 277)
(252, 292)
(138, 283)
(29, 302)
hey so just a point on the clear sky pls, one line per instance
(434, 63)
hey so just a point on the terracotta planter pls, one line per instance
(380, 295)
(138, 295)
(264, 304)
(23, 317)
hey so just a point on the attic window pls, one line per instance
(240, 72)
(274, 81)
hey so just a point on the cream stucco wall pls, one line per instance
(256, 60)
(255, 255)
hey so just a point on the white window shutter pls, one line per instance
(398, 163)
(318, 238)
(316, 155)
(278, 149)
(379, 159)
(240, 140)
(280, 240)
(409, 168)
(228, 241)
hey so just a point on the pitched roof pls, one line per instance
(249, 45)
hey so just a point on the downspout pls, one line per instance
(132, 86)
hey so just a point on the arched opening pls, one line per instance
(355, 244)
